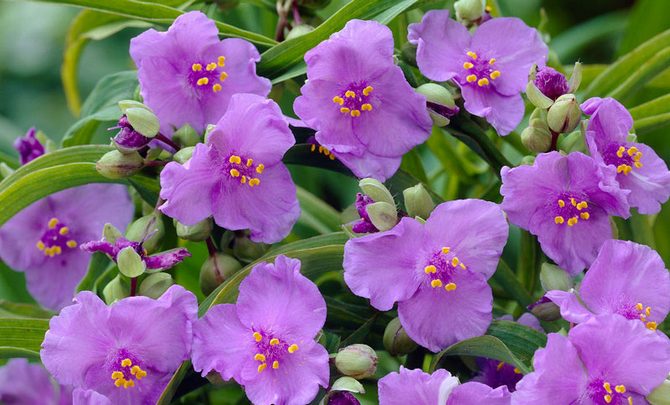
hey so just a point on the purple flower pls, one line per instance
(127, 139)
(187, 75)
(606, 360)
(89, 397)
(363, 225)
(359, 102)
(441, 388)
(566, 201)
(638, 167)
(156, 262)
(127, 351)
(439, 267)
(266, 341)
(551, 82)
(238, 176)
(491, 67)
(42, 239)
(29, 147)
(342, 398)
(22, 383)
(626, 279)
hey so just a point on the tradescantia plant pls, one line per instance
(264, 204)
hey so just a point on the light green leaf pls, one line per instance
(21, 337)
(316, 213)
(652, 114)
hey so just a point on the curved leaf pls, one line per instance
(481, 346)
(22, 337)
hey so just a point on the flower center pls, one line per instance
(623, 158)
(441, 268)
(570, 209)
(269, 350)
(639, 311)
(480, 70)
(55, 239)
(355, 99)
(126, 370)
(243, 169)
(604, 393)
(204, 75)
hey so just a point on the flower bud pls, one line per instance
(110, 233)
(143, 121)
(341, 398)
(197, 233)
(376, 190)
(661, 394)
(116, 165)
(396, 341)
(545, 310)
(348, 384)
(536, 97)
(130, 263)
(124, 105)
(469, 10)
(357, 361)
(156, 284)
(564, 115)
(246, 250)
(382, 215)
(127, 140)
(553, 277)
(440, 103)
(183, 155)
(299, 30)
(551, 82)
(528, 160)
(536, 139)
(149, 230)
(418, 202)
(216, 270)
(186, 136)
(115, 290)
(575, 78)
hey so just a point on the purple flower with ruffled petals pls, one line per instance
(491, 67)
(551, 82)
(127, 139)
(440, 267)
(566, 202)
(266, 341)
(22, 383)
(238, 176)
(29, 147)
(187, 75)
(126, 352)
(359, 102)
(363, 225)
(639, 168)
(42, 240)
(604, 361)
(626, 279)
(156, 262)
(89, 397)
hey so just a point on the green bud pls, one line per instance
(575, 78)
(246, 250)
(299, 30)
(572, 142)
(156, 284)
(358, 361)
(348, 384)
(528, 160)
(130, 263)
(149, 229)
(438, 95)
(418, 202)
(547, 311)
(376, 190)
(564, 115)
(553, 277)
(382, 215)
(396, 341)
(469, 10)
(110, 233)
(536, 139)
(536, 97)
(5, 171)
(116, 165)
(143, 121)
(115, 290)
(186, 136)
(661, 394)
(125, 105)
(183, 155)
(197, 233)
(216, 270)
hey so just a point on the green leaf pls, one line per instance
(569, 43)
(317, 214)
(482, 346)
(98, 265)
(643, 73)
(21, 337)
(9, 309)
(411, 163)
(521, 340)
(652, 114)
(468, 132)
(647, 18)
(506, 278)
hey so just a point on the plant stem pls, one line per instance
(133, 286)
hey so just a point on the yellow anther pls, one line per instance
(254, 182)
(134, 369)
(559, 220)
(625, 169)
(234, 172)
(274, 341)
(472, 55)
(471, 78)
(129, 384)
(639, 306)
(119, 382)
(355, 113)
(262, 367)
(367, 91)
(516, 370)
(462, 266)
(40, 245)
(344, 110)
(243, 179)
(275, 364)
(211, 66)
(257, 336)
(492, 61)
(651, 325)
(495, 74)
(366, 107)
(202, 81)
(321, 148)
(582, 205)
(468, 65)
(446, 250)
(349, 94)
(250, 162)
(607, 387)
(430, 269)
(637, 156)
(338, 100)
(293, 348)
(573, 202)
(585, 215)
(436, 283)
(64, 230)
(450, 286)
(331, 157)
(620, 151)
(311, 148)
(235, 159)
(455, 261)
(126, 363)
(632, 150)
(261, 167)
(638, 165)
(483, 82)
(52, 223)
(573, 221)
(221, 61)
(647, 311)
(141, 374)
(259, 357)
(607, 398)
(216, 88)
(630, 400)
(223, 76)
(500, 366)
(561, 203)
(620, 389)
(116, 375)
(196, 67)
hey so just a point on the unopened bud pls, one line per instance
(553, 277)
(186, 136)
(440, 102)
(130, 263)
(536, 139)
(382, 215)
(545, 310)
(376, 190)
(348, 384)
(156, 284)
(551, 82)
(115, 290)
(197, 233)
(144, 121)
(564, 115)
(358, 361)
(396, 341)
(469, 10)
(528, 160)
(661, 394)
(341, 398)
(299, 31)
(110, 233)
(183, 155)
(216, 270)
(116, 165)
(149, 230)
(247, 250)
(418, 201)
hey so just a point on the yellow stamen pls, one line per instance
(436, 283)
(446, 250)
(559, 220)
(516, 370)
(500, 366)
(274, 341)
(585, 215)
(116, 375)
(254, 182)
(250, 162)
(647, 311)
(620, 151)
(235, 159)
(651, 325)
(261, 167)
(573, 202)
(221, 61)
(455, 261)
(128, 384)
(355, 113)
(223, 76)
(349, 94)
(216, 88)
(573, 221)
(126, 363)
(196, 67)
(141, 374)
(344, 110)
(202, 81)
(40, 245)
(275, 364)
(639, 306)
(632, 150)
(561, 203)
(430, 269)
(638, 165)
(119, 382)
(608, 398)
(607, 387)
(64, 230)
(468, 65)
(243, 179)
(234, 172)
(637, 156)
(630, 400)
(492, 61)
(472, 55)
(471, 78)
(367, 90)
(582, 205)
(338, 100)
(257, 336)
(463, 266)
(366, 107)
(262, 367)
(620, 389)
(52, 223)
(259, 357)
(495, 74)
(293, 348)
(211, 66)
(450, 286)
(483, 82)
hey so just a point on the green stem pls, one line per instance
(468, 132)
